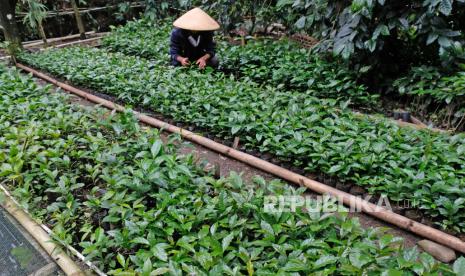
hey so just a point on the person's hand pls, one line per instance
(201, 62)
(184, 61)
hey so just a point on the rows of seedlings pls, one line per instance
(427, 92)
(133, 206)
(321, 136)
(282, 64)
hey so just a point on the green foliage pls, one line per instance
(135, 207)
(371, 32)
(278, 63)
(284, 64)
(358, 29)
(437, 91)
(36, 13)
(11, 48)
(429, 81)
(230, 14)
(143, 38)
(321, 135)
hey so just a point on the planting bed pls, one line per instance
(278, 63)
(319, 135)
(133, 205)
(282, 63)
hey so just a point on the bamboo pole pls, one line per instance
(81, 10)
(348, 199)
(78, 42)
(55, 39)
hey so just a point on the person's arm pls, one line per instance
(176, 46)
(209, 51)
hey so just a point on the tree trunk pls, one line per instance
(42, 34)
(8, 22)
(77, 14)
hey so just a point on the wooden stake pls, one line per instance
(236, 142)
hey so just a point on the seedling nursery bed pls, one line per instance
(302, 144)
(96, 173)
(402, 208)
(101, 70)
(224, 166)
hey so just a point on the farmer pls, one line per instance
(192, 40)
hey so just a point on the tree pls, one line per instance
(8, 22)
(35, 16)
(79, 22)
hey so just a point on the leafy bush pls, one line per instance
(427, 81)
(137, 208)
(321, 135)
(361, 27)
(443, 96)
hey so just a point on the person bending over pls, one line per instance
(192, 40)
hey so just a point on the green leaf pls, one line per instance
(226, 241)
(267, 228)
(334, 169)
(459, 266)
(295, 265)
(300, 24)
(159, 251)
(235, 129)
(431, 38)
(121, 260)
(205, 259)
(147, 267)
(445, 7)
(392, 272)
(445, 42)
(184, 243)
(156, 147)
(324, 261)
(359, 259)
(140, 240)
(159, 271)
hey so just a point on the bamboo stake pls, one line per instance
(347, 198)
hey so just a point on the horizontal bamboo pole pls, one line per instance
(35, 230)
(28, 44)
(347, 198)
(78, 42)
(81, 10)
(417, 124)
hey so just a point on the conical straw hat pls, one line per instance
(196, 20)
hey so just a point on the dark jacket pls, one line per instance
(180, 45)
